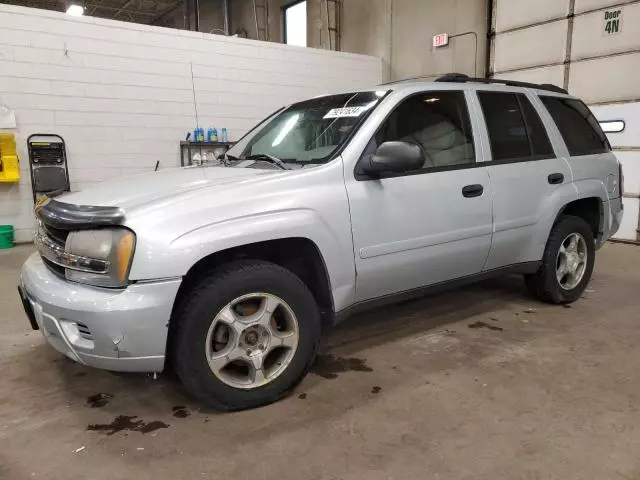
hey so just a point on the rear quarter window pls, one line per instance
(577, 125)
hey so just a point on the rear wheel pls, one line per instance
(567, 263)
(246, 335)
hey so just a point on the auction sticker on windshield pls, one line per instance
(345, 112)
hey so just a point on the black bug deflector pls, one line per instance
(70, 217)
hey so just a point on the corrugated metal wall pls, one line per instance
(564, 42)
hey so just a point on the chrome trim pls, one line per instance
(58, 255)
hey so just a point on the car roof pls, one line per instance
(456, 81)
(461, 81)
(496, 85)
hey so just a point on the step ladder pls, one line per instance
(333, 23)
(261, 15)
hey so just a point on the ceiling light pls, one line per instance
(75, 10)
(612, 126)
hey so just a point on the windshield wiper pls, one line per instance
(268, 158)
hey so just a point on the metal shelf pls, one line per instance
(187, 150)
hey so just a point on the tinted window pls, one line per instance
(438, 122)
(540, 144)
(579, 128)
(515, 130)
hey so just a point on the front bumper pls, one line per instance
(123, 330)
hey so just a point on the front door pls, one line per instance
(427, 226)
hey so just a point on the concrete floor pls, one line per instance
(406, 392)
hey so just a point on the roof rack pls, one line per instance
(462, 78)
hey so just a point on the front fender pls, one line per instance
(190, 247)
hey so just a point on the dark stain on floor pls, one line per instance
(329, 366)
(127, 423)
(99, 400)
(180, 411)
(302, 396)
(376, 389)
(485, 325)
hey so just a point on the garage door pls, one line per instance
(623, 123)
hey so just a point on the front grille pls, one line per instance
(57, 269)
(55, 234)
(59, 238)
(84, 331)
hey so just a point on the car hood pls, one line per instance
(136, 191)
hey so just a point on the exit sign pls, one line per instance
(440, 40)
(612, 21)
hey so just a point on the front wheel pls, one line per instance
(246, 335)
(567, 263)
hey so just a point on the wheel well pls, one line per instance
(298, 255)
(589, 209)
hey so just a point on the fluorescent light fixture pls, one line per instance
(612, 126)
(75, 10)
(288, 126)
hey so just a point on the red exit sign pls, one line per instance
(440, 40)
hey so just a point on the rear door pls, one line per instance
(527, 177)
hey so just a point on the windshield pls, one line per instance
(308, 132)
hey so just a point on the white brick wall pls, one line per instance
(121, 94)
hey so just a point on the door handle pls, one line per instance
(472, 190)
(555, 178)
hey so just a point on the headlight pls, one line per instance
(109, 253)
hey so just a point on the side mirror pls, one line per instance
(393, 157)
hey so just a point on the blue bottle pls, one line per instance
(210, 135)
(223, 133)
(213, 135)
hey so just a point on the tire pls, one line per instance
(199, 313)
(544, 284)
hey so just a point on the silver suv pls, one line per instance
(232, 273)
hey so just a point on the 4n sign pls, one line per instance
(612, 21)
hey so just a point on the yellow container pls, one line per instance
(9, 169)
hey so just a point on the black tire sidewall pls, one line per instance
(566, 226)
(208, 298)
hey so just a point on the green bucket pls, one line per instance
(6, 236)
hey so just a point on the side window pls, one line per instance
(579, 128)
(436, 121)
(540, 143)
(515, 130)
